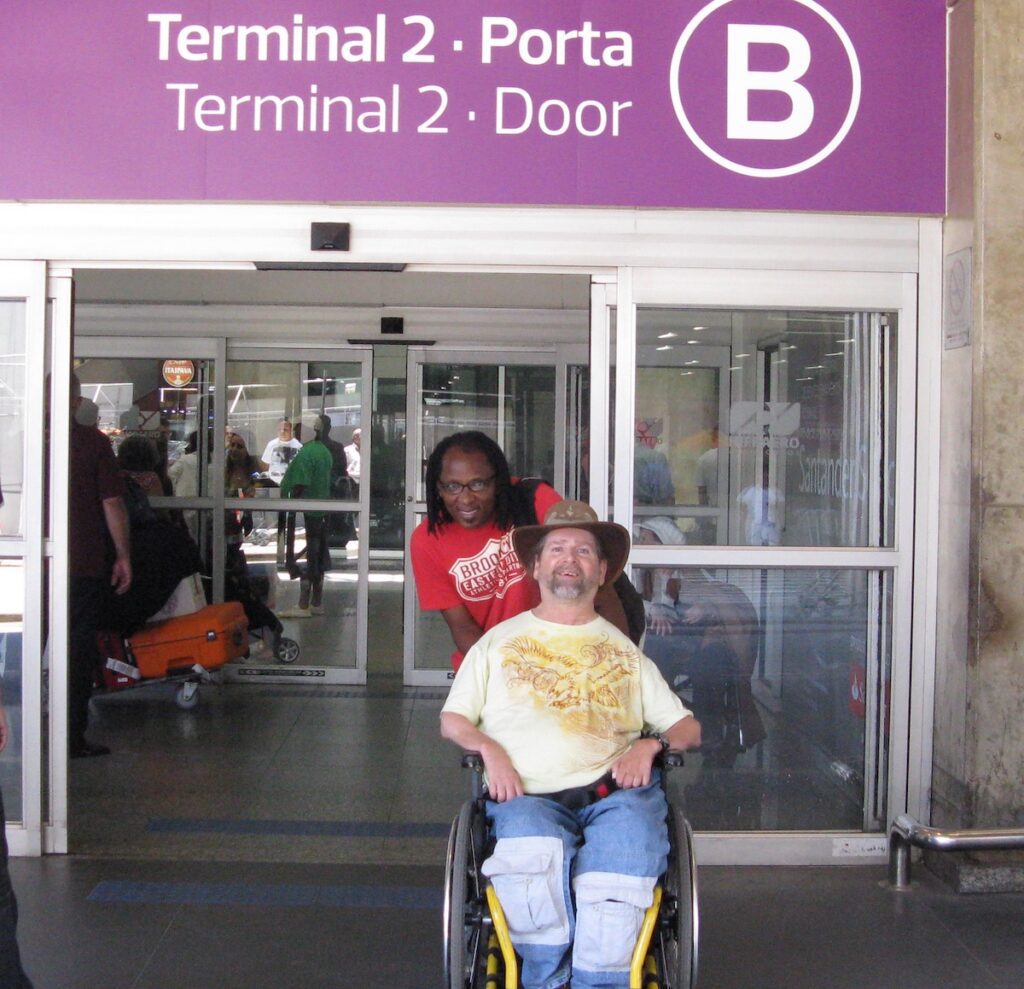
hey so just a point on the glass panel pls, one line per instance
(788, 672)
(12, 596)
(300, 565)
(169, 403)
(12, 415)
(766, 428)
(320, 631)
(273, 407)
(514, 405)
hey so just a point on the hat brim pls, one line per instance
(614, 540)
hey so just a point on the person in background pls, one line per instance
(12, 975)
(353, 457)
(462, 554)
(341, 527)
(309, 476)
(99, 561)
(184, 476)
(279, 452)
(139, 457)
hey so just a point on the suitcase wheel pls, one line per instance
(187, 695)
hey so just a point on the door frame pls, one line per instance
(26, 282)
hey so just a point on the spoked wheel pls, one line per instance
(465, 929)
(679, 923)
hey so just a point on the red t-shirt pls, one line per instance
(475, 567)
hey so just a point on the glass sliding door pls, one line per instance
(517, 399)
(222, 454)
(766, 515)
(300, 555)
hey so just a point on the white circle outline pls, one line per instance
(767, 173)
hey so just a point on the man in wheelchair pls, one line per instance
(568, 717)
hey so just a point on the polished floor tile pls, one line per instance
(288, 838)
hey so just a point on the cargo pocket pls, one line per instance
(527, 876)
(609, 913)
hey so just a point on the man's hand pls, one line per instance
(503, 782)
(121, 576)
(116, 516)
(633, 767)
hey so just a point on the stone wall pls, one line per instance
(978, 777)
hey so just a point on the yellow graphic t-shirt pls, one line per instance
(565, 701)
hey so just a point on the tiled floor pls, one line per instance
(148, 924)
(287, 838)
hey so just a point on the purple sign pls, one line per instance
(740, 104)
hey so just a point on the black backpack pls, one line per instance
(524, 513)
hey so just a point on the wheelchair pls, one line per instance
(478, 952)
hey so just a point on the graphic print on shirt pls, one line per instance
(490, 573)
(587, 684)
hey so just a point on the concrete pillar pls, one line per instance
(978, 768)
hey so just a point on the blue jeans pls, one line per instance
(574, 885)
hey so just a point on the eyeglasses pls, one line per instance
(477, 485)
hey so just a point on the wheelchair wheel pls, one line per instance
(465, 928)
(679, 923)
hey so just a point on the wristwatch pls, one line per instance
(662, 740)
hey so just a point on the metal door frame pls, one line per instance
(26, 282)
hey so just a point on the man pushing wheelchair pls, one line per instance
(568, 717)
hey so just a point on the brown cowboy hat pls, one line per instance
(614, 538)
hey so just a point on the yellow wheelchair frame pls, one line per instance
(478, 951)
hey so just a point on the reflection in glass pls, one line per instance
(12, 415)
(514, 405)
(787, 671)
(766, 428)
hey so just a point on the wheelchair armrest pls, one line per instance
(672, 759)
(474, 762)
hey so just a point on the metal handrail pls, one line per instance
(905, 831)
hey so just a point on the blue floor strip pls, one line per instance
(337, 829)
(266, 895)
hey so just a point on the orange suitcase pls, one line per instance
(210, 637)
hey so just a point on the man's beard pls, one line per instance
(568, 588)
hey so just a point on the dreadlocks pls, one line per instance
(469, 442)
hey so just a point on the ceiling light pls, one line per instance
(667, 336)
